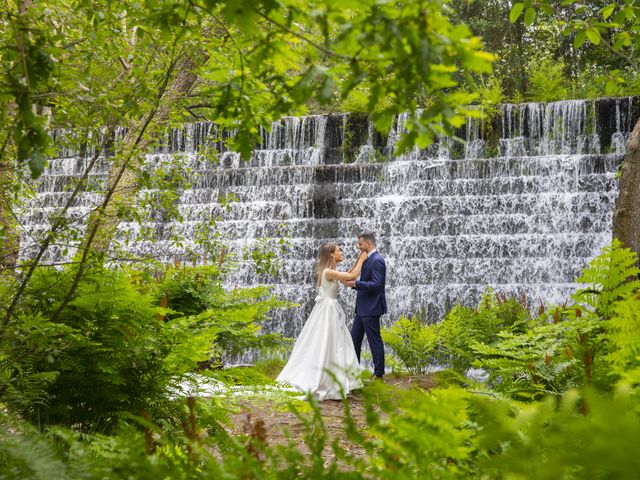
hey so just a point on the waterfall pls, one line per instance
(522, 205)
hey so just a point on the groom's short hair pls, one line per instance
(367, 237)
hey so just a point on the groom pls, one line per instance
(371, 303)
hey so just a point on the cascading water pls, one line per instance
(522, 206)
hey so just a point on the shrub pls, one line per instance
(623, 338)
(464, 326)
(113, 350)
(546, 359)
(611, 276)
(406, 434)
(567, 347)
(491, 96)
(594, 81)
(242, 376)
(104, 355)
(412, 341)
(546, 80)
(189, 291)
(585, 435)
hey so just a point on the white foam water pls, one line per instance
(450, 219)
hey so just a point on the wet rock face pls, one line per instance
(522, 205)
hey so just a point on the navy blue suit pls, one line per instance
(371, 304)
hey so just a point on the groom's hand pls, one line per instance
(350, 283)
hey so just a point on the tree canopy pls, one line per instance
(94, 64)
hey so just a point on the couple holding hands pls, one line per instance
(325, 359)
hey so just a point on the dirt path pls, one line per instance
(277, 425)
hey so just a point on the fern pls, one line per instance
(611, 276)
(412, 341)
(546, 360)
(27, 454)
(465, 326)
(581, 436)
(623, 334)
(116, 349)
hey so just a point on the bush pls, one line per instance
(611, 276)
(569, 347)
(113, 350)
(623, 341)
(491, 96)
(464, 326)
(547, 359)
(105, 353)
(406, 434)
(594, 81)
(412, 341)
(450, 342)
(546, 80)
(585, 435)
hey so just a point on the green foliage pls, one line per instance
(463, 326)
(442, 434)
(26, 453)
(612, 276)
(130, 452)
(547, 81)
(450, 378)
(491, 97)
(450, 341)
(189, 291)
(528, 358)
(584, 436)
(194, 296)
(547, 359)
(105, 351)
(98, 65)
(566, 347)
(114, 350)
(589, 22)
(412, 341)
(28, 67)
(266, 255)
(242, 376)
(269, 366)
(118, 347)
(427, 441)
(623, 335)
(601, 35)
(594, 81)
(593, 41)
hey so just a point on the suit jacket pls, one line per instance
(370, 299)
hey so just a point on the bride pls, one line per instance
(323, 359)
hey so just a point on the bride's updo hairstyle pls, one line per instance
(326, 249)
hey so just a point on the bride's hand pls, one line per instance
(363, 256)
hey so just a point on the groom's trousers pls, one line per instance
(370, 326)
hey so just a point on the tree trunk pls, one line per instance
(123, 182)
(9, 236)
(9, 240)
(626, 216)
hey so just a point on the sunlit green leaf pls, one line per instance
(579, 39)
(620, 17)
(593, 35)
(529, 16)
(608, 10)
(516, 11)
(622, 40)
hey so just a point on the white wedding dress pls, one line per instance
(324, 345)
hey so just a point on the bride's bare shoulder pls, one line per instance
(329, 273)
